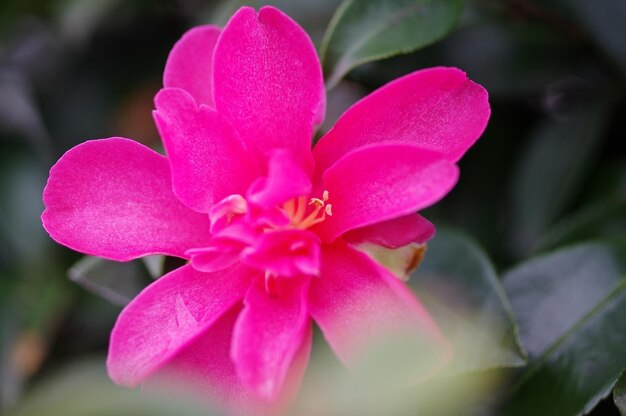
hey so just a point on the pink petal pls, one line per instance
(359, 306)
(223, 213)
(288, 253)
(208, 159)
(378, 183)
(268, 81)
(269, 333)
(206, 366)
(398, 232)
(166, 316)
(189, 65)
(212, 259)
(437, 109)
(224, 249)
(285, 180)
(112, 198)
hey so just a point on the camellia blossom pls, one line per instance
(270, 228)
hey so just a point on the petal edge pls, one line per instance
(113, 198)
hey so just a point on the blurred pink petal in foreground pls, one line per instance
(270, 228)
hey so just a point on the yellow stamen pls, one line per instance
(289, 207)
(301, 209)
(296, 210)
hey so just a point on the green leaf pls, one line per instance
(604, 19)
(366, 30)
(21, 181)
(116, 282)
(619, 394)
(558, 157)
(155, 265)
(606, 219)
(460, 288)
(515, 59)
(570, 306)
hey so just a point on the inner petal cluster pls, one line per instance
(270, 227)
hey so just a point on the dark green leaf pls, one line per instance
(605, 219)
(515, 59)
(114, 281)
(366, 30)
(570, 306)
(155, 265)
(21, 182)
(338, 100)
(604, 19)
(619, 394)
(556, 161)
(461, 289)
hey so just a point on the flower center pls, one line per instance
(274, 238)
(296, 211)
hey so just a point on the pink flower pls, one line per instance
(270, 228)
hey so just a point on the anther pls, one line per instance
(296, 209)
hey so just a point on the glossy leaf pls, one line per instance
(619, 394)
(570, 306)
(558, 157)
(460, 288)
(602, 216)
(114, 281)
(366, 30)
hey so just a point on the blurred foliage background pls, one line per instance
(534, 300)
